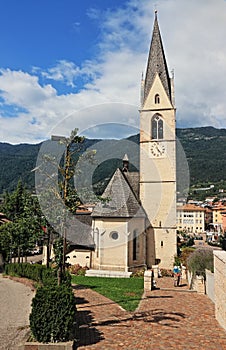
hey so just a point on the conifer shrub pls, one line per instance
(52, 318)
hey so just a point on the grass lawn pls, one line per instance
(127, 292)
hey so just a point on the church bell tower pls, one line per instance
(158, 154)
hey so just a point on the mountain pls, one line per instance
(17, 161)
(204, 147)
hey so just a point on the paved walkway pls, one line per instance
(15, 301)
(167, 318)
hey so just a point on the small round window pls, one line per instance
(114, 235)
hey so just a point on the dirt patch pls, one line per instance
(27, 282)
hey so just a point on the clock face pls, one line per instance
(157, 149)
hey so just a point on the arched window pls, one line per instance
(135, 245)
(157, 99)
(157, 127)
(97, 240)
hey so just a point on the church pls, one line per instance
(135, 228)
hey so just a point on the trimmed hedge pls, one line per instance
(52, 318)
(36, 272)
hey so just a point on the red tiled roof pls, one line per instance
(191, 207)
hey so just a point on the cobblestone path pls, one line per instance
(167, 318)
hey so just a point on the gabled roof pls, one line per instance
(79, 231)
(156, 63)
(190, 207)
(120, 199)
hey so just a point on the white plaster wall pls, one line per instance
(111, 254)
(81, 257)
(139, 225)
(165, 247)
(159, 201)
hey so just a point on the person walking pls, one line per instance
(176, 275)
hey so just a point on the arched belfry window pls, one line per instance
(157, 127)
(157, 99)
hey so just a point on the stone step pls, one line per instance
(108, 273)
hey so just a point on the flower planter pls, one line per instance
(47, 346)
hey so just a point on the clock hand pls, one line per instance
(159, 150)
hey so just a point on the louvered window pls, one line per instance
(157, 127)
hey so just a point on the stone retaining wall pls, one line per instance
(210, 285)
(220, 286)
(48, 346)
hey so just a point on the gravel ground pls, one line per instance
(15, 306)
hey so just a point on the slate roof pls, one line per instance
(79, 231)
(133, 179)
(156, 63)
(121, 201)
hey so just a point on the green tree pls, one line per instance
(199, 261)
(57, 195)
(24, 229)
(5, 241)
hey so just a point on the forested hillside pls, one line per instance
(17, 161)
(205, 149)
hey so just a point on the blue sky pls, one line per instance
(59, 57)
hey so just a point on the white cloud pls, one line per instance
(194, 45)
(23, 89)
(193, 34)
(94, 13)
(64, 71)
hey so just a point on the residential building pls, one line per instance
(191, 219)
(218, 210)
(224, 221)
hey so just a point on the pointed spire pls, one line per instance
(125, 163)
(156, 62)
(126, 158)
(156, 12)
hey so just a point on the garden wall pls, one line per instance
(196, 283)
(210, 285)
(220, 286)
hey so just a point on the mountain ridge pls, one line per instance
(205, 150)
